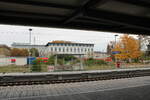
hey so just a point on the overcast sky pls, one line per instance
(10, 34)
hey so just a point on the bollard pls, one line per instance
(118, 64)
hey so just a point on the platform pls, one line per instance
(118, 89)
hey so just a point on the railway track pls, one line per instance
(56, 78)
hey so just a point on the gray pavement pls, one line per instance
(118, 89)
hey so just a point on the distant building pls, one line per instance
(100, 55)
(148, 50)
(60, 47)
(144, 42)
(40, 48)
(69, 48)
(110, 46)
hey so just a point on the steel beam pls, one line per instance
(72, 25)
(79, 12)
(38, 3)
(121, 19)
(142, 3)
(28, 14)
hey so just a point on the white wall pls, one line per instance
(4, 61)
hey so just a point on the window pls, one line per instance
(78, 50)
(67, 49)
(63, 49)
(74, 49)
(59, 49)
(70, 49)
(55, 49)
(51, 49)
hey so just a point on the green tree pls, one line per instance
(34, 52)
(61, 59)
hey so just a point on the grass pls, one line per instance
(125, 66)
(14, 68)
(102, 67)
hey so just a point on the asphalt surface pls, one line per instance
(118, 89)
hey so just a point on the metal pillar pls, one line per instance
(56, 60)
(81, 63)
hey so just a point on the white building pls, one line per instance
(70, 48)
(40, 48)
(60, 48)
(98, 54)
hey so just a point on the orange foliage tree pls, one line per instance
(128, 47)
(19, 52)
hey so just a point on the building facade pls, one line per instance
(60, 48)
(70, 48)
(99, 55)
(110, 46)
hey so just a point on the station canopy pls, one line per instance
(124, 16)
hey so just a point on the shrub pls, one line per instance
(61, 59)
(36, 67)
(91, 61)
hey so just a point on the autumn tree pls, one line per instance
(128, 48)
(24, 52)
(15, 52)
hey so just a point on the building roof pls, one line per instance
(25, 44)
(60, 41)
(53, 42)
(68, 42)
(125, 16)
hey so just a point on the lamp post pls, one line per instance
(116, 38)
(30, 35)
(115, 44)
(148, 49)
(29, 47)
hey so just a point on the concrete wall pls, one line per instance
(4, 61)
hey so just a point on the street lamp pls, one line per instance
(116, 38)
(115, 43)
(30, 35)
(148, 49)
(30, 44)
